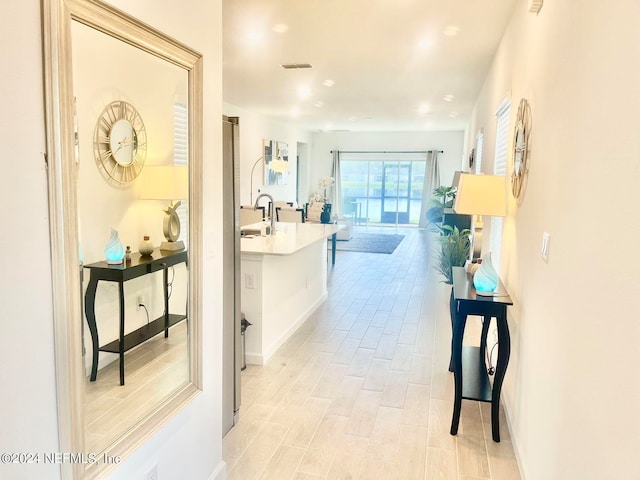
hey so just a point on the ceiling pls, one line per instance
(397, 65)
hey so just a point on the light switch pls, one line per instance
(545, 246)
(250, 280)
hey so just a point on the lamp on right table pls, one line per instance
(482, 195)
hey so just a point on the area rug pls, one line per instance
(369, 243)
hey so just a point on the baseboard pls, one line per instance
(220, 473)
(271, 350)
(514, 441)
(257, 359)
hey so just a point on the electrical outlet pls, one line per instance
(140, 302)
(249, 280)
(152, 474)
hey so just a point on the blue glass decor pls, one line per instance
(486, 278)
(114, 251)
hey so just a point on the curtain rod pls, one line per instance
(387, 151)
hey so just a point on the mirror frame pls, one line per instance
(57, 16)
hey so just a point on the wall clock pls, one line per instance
(120, 142)
(521, 133)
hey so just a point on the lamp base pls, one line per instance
(172, 246)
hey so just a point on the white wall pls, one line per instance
(190, 445)
(572, 388)
(451, 142)
(253, 130)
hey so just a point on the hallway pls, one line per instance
(362, 390)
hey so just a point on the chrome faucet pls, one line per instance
(273, 210)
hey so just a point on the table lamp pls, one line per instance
(167, 182)
(482, 195)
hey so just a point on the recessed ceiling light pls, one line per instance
(425, 43)
(449, 98)
(304, 91)
(451, 31)
(254, 36)
(328, 83)
(424, 108)
(280, 28)
(319, 104)
(453, 114)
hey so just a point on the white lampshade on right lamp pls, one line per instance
(167, 182)
(482, 195)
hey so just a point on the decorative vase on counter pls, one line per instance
(114, 251)
(146, 247)
(325, 216)
(485, 280)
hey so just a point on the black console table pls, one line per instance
(467, 363)
(137, 267)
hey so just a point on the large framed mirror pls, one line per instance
(124, 143)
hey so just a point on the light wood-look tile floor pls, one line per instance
(362, 390)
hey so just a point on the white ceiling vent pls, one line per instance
(292, 66)
(535, 6)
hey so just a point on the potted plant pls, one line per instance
(444, 197)
(454, 251)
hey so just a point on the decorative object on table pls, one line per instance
(454, 250)
(325, 216)
(127, 254)
(146, 247)
(472, 267)
(485, 280)
(120, 142)
(276, 162)
(114, 251)
(521, 134)
(325, 183)
(480, 195)
(168, 182)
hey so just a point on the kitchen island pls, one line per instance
(284, 280)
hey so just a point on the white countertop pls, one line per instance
(289, 237)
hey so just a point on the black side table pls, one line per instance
(468, 364)
(137, 267)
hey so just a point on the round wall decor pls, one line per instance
(120, 142)
(521, 133)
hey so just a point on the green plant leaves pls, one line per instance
(454, 251)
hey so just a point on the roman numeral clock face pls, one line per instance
(120, 142)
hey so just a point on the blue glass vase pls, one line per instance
(485, 280)
(114, 251)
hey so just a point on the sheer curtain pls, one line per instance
(431, 181)
(336, 207)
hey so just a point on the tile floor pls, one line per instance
(362, 390)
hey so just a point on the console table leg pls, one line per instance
(456, 347)
(504, 351)
(452, 314)
(165, 278)
(121, 341)
(90, 313)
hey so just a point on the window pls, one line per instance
(479, 142)
(181, 157)
(382, 188)
(500, 168)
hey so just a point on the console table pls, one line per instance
(467, 363)
(137, 267)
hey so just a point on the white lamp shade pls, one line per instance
(167, 182)
(481, 195)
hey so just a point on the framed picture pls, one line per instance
(276, 162)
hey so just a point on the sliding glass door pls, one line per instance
(383, 192)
